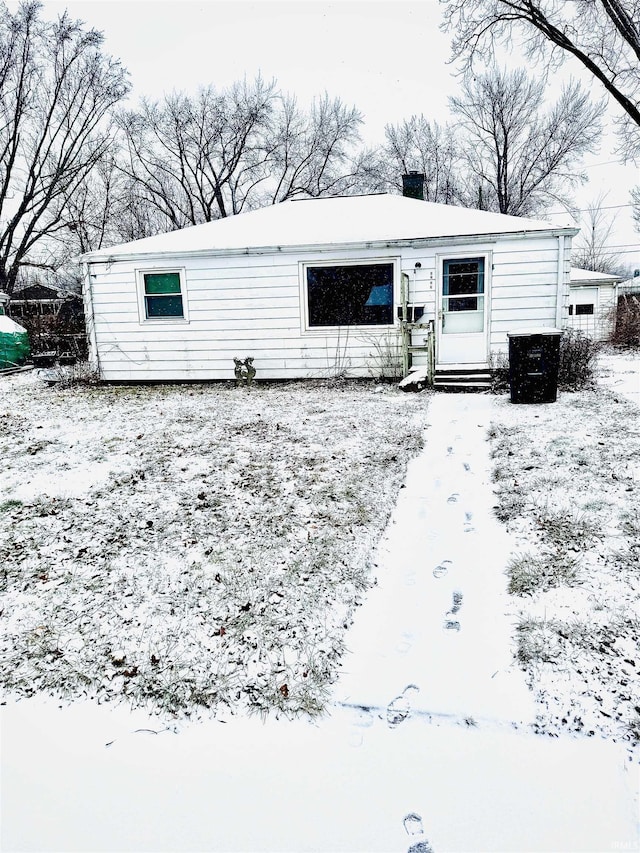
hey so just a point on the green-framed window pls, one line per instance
(162, 293)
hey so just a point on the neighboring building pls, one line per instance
(314, 287)
(630, 285)
(43, 301)
(593, 297)
(54, 318)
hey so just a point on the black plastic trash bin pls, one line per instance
(534, 357)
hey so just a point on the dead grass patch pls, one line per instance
(194, 547)
(567, 484)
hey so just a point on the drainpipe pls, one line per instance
(90, 319)
(561, 282)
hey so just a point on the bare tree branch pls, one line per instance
(56, 88)
(603, 35)
(524, 154)
(201, 158)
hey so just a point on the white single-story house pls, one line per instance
(593, 297)
(317, 287)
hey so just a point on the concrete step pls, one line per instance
(472, 379)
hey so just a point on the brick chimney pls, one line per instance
(413, 185)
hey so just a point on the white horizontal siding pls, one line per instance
(599, 325)
(331, 359)
(524, 287)
(312, 349)
(276, 370)
(250, 306)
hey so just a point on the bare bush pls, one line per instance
(577, 360)
(627, 321)
(499, 367)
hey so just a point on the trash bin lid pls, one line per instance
(539, 330)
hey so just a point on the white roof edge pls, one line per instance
(103, 256)
(579, 275)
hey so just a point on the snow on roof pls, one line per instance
(580, 276)
(326, 221)
(631, 283)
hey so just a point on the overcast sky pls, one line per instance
(389, 59)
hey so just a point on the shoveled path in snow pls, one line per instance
(397, 765)
(439, 620)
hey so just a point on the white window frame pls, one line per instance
(142, 312)
(346, 262)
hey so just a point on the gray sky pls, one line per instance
(387, 58)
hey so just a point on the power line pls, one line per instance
(608, 163)
(588, 209)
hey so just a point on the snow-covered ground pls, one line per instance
(619, 370)
(427, 742)
(190, 548)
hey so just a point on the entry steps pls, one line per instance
(462, 378)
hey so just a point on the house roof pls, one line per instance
(35, 292)
(365, 219)
(580, 276)
(631, 284)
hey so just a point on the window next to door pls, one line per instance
(357, 294)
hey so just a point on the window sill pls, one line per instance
(323, 330)
(164, 321)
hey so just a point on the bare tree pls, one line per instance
(195, 159)
(519, 153)
(429, 148)
(94, 211)
(635, 202)
(56, 88)
(603, 35)
(314, 153)
(591, 247)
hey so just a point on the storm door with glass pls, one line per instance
(462, 315)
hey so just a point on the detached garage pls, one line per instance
(593, 297)
(319, 287)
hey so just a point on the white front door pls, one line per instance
(462, 314)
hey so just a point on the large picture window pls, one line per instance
(162, 295)
(350, 295)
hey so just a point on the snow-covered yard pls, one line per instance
(254, 517)
(568, 490)
(203, 548)
(192, 547)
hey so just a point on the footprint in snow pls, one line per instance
(453, 499)
(451, 625)
(406, 642)
(441, 570)
(468, 527)
(466, 466)
(399, 708)
(457, 601)
(414, 829)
